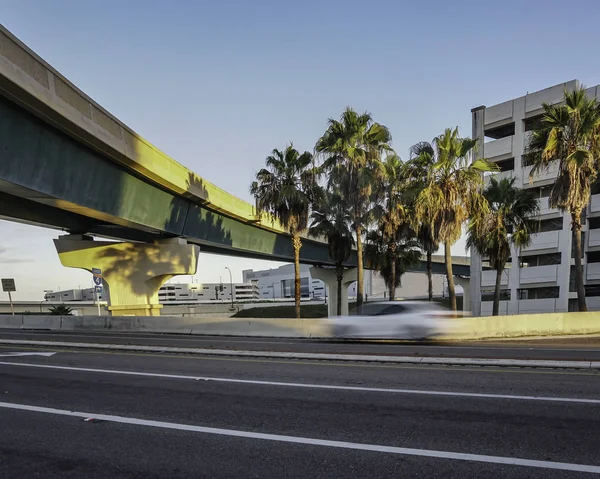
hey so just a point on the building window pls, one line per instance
(539, 293)
(553, 224)
(500, 131)
(592, 290)
(489, 295)
(506, 165)
(594, 223)
(541, 260)
(533, 123)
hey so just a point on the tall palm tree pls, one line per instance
(570, 134)
(330, 219)
(350, 148)
(392, 213)
(286, 189)
(509, 221)
(450, 193)
(422, 157)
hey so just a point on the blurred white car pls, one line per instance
(393, 319)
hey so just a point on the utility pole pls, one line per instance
(230, 285)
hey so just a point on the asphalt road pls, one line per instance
(158, 416)
(580, 349)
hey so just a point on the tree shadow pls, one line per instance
(200, 223)
(140, 265)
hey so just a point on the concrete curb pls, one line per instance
(515, 363)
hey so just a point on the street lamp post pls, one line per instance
(230, 285)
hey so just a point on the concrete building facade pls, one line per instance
(541, 277)
(202, 292)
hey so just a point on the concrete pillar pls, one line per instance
(465, 282)
(132, 272)
(474, 286)
(329, 277)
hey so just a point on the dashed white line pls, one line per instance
(314, 442)
(308, 386)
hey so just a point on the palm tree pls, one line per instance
(330, 219)
(422, 157)
(285, 189)
(392, 258)
(60, 310)
(570, 134)
(391, 213)
(430, 245)
(352, 148)
(450, 191)
(509, 221)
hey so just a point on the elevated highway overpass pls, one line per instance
(67, 163)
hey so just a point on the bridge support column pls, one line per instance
(329, 277)
(466, 286)
(132, 272)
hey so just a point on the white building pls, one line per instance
(87, 294)
(279, 283)
(542, 276)
(197, 292)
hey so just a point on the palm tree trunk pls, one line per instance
(392, 285)
(359, 269)
(496, 305)
(429, 276)
(340, 278)
(450, 276)
(297, 244)
(576, 220)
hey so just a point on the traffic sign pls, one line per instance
(98, 289)
(8, 285)
(97, 276)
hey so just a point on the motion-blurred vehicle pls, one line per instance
(393, 319)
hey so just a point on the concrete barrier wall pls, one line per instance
(41, 322)
(550, 324)
(547, 324)
(11, 322)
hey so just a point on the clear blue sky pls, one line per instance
(217, 85)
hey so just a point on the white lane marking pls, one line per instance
(12, 355)
(313, 442)
(308, 386)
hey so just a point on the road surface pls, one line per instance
(579, 349)
(117, 415)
